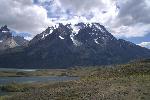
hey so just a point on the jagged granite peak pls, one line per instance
(4, 29)
(5, 33)
(88, 32)
(82, 44)
(8, 43)
(7, 40)
(59, 31)
(42, 35)
(94, 33)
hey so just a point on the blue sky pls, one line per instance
(138, 40)
(127, 19)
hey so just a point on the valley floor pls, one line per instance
(120, 82)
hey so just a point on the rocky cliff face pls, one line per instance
(8, 41)
(82, 44)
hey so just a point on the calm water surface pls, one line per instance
(8, 80)
(35, 79)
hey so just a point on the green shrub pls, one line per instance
(13, 88)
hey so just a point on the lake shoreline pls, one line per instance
(15, 85)
(4, 72)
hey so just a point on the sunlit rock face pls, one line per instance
(8, 41)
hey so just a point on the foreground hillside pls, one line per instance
(120, 82)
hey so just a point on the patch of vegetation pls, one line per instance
(118, 82)
(125, 88)
(4, 97)
(13, 88)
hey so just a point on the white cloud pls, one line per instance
(23, 16)
(81, 6)
(137, 30)
(124, 18)
(145, 44)
(132, 19)
(85, 8)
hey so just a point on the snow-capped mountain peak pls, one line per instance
(83, 44)
(80, 33)
(48, 31)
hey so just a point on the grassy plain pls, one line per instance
(117, 82)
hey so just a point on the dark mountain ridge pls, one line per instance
(64, 46)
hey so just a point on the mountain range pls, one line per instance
(63, 46)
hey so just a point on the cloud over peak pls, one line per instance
(23, 16)
(124, 18)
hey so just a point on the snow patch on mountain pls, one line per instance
(62, 38)
(56, 26)
(5, 31)
(75, 28)
(46, 34)
(75, 42)
(96, 41)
